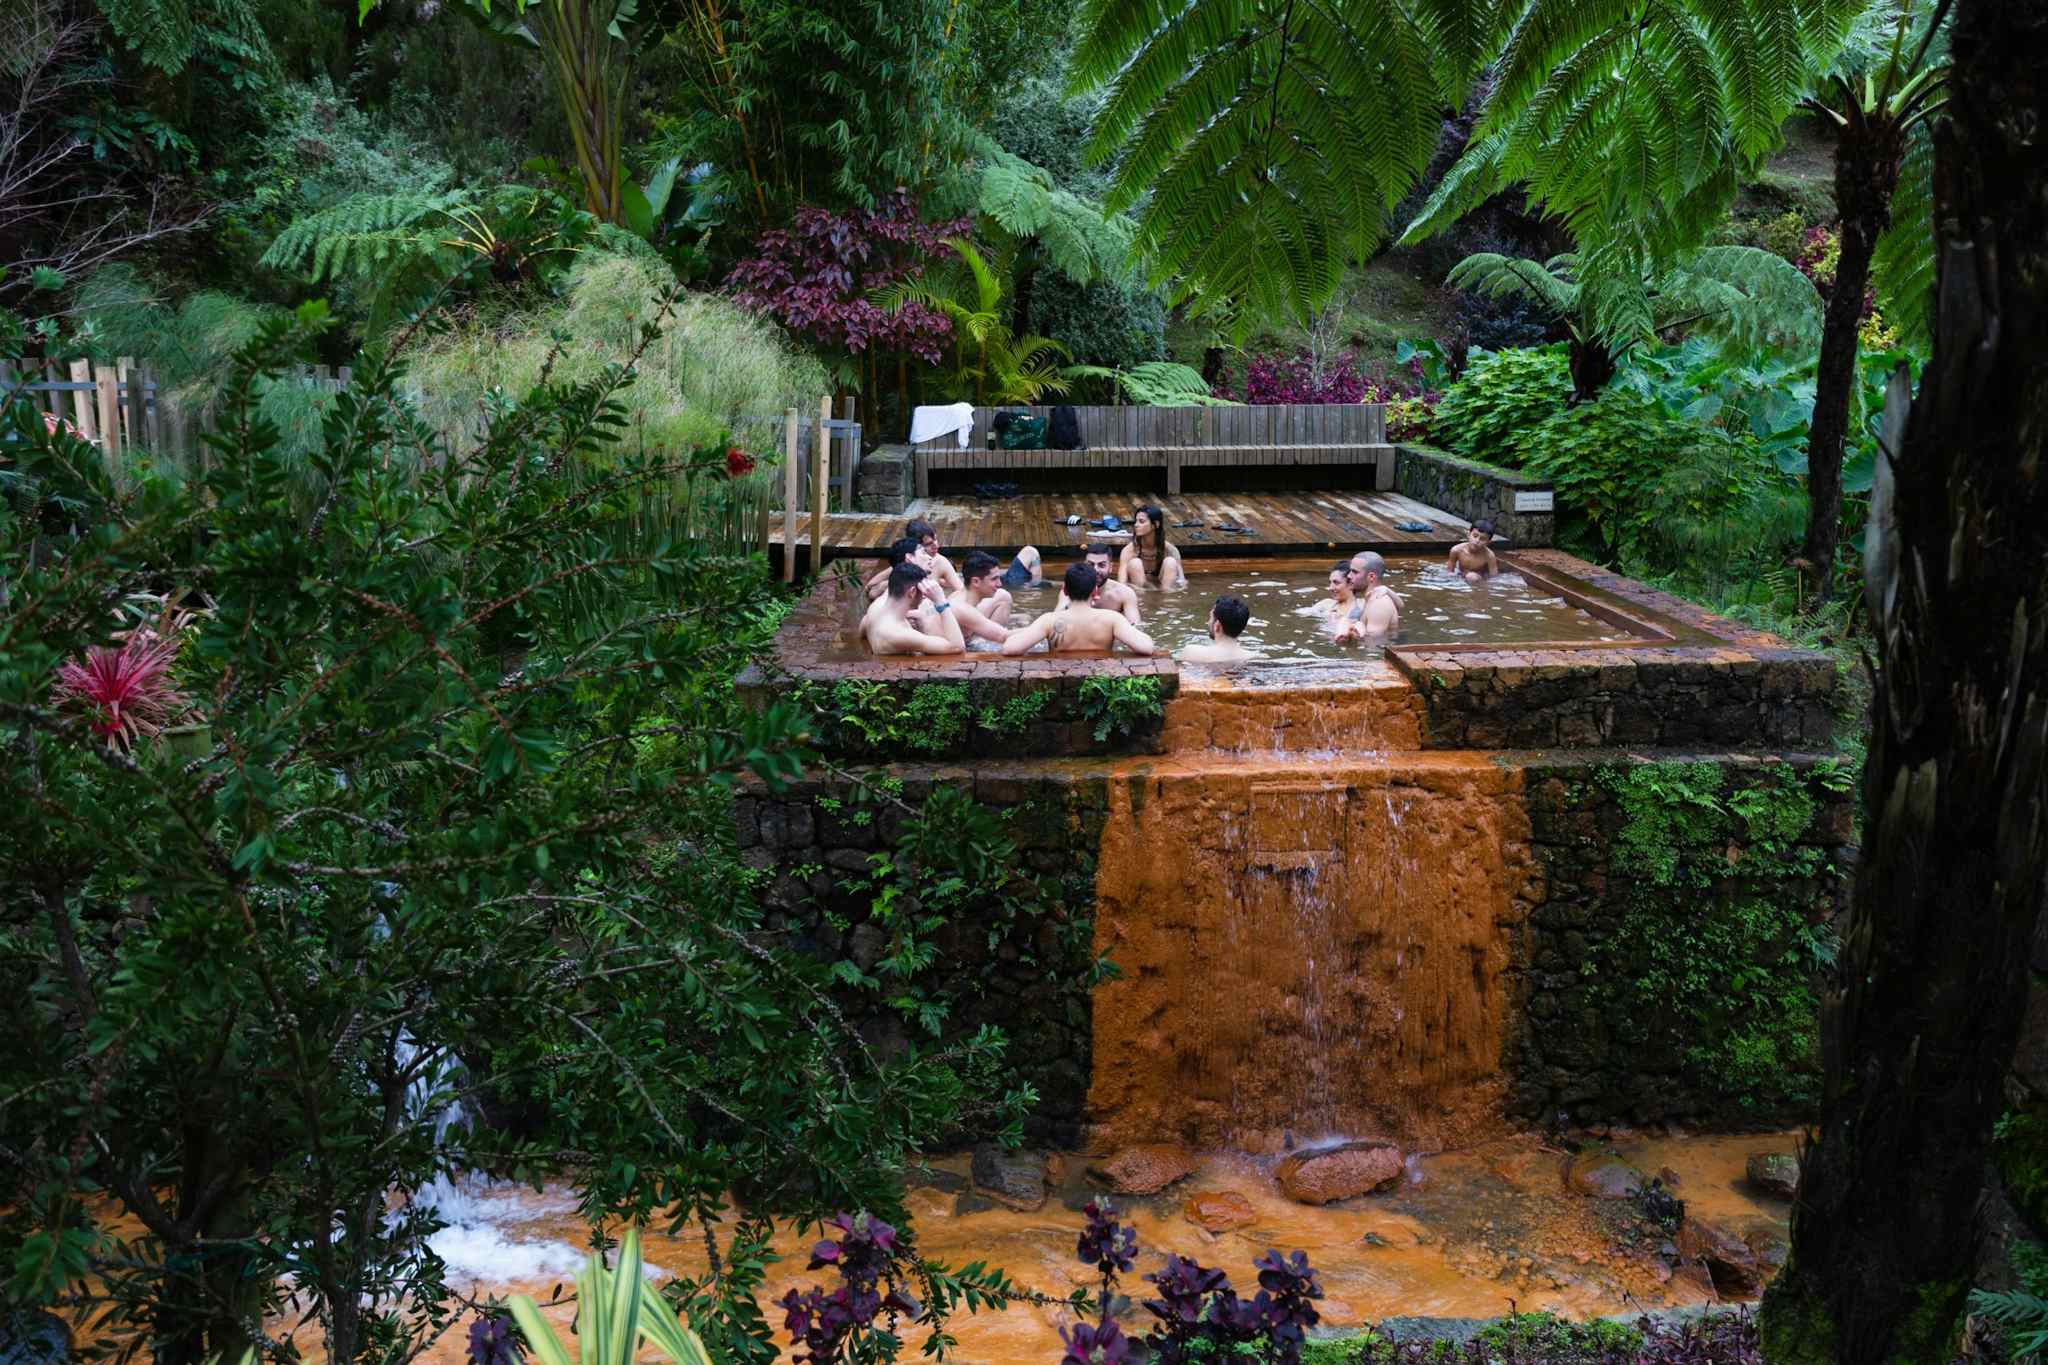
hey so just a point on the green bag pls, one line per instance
(1022, 433)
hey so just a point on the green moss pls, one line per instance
(1712, 966)
(1795, 1327)
(2019, 1151)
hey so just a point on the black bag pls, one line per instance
(1065, 433)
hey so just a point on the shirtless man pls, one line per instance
(1473, 556)
(904, 551)
(1377, 612)
(927, 539)
(983, 603)
(1227, 620)
(1082, 625)
(1109, 592)
(916, 617)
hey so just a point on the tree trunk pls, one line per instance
(1866, 172)
(1592, 365)
(1920, 1030)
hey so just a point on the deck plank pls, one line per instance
(1283, 523)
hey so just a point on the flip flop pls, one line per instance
(1183, 525)
(1230, 530)
(1413, 526)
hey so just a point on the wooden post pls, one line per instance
(849, 442)
(821, 482)
(106, 389)
(789, 495)
(81, 401)
(138, 412)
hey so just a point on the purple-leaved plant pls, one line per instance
(816, 277)
(1199, 1314)
(840, 1325)
(493, 1341)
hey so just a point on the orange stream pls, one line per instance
(1489, 1225)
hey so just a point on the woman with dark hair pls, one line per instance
(1150, 561)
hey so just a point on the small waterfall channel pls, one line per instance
(482, 1216)
(1313, 941)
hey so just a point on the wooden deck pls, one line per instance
(1281, 524)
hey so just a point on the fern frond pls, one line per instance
(363, 232)
(1903, 262)
(1548, 285)
(1156, 384)
(1753, 297)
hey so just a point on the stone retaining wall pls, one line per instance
(1600, 1034)
(1715, 685)
(1471, 490)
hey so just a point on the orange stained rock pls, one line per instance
(1380, 714)
(1305, 949)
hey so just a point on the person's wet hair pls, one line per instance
(918, 530)
(904, 578)
(1342, 566)
(1233, 615)
(1370, 562)
(1483, 525)
(1094, 548)
(1081, 581)
(978, 563)
(902, 550)
(1158, 520)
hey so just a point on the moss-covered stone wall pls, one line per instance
(1472, 489)
(1684, 910)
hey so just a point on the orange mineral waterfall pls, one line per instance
(1305, 949)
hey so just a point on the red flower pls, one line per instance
(126, 687)
(738, 462)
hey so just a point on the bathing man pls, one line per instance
(903, 551)
(915, 617)
(1473, 556)
(984, 603)
(1227, 620)
(1082, 625)
(927, 538)
(1109, 593)
(1377, 612)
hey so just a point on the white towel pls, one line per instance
(931, 422)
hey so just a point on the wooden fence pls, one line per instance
(123, 408)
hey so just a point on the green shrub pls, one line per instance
(1610, 457)
(1102, 323)
(1501, 398)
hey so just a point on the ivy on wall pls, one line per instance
(1725, 929)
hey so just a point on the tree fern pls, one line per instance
(1080, 239)
(1903, 264)
(1749, 296)
(367, 231)
(1261, 146)
(1625, 119)
(166, 34)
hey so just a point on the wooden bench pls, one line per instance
(1175, 439)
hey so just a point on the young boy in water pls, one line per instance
(1473, 556)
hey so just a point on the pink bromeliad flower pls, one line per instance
(126, 687)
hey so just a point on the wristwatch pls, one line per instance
(940, 606)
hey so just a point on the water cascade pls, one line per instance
(1310, 947)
